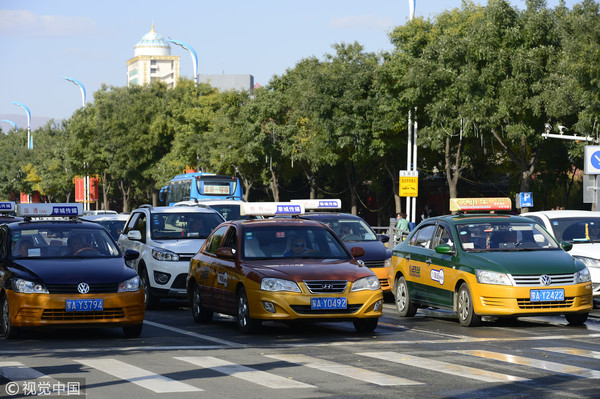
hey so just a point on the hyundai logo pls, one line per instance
(83, 288)
(545, 280)
(327, 287)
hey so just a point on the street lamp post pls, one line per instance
(81, 87)
(14, 125)
(192, 53)
(29, 138)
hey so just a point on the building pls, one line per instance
(152, 61)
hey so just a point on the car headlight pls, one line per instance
(28, 287)
(277, 284)
(366, 283)
(489, 277)
(583, 276)
(162, 255)
(589, 262)
(133, 284)
(388, 262)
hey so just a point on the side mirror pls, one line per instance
(357, 252)
(444, 249)
(384, 238)
(131, 254)
(225, 252)
(567, 246)
(134, 235)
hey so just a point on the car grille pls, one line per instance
(326, 286)
(63, 315)
(527, 304)
(72, 288)
(384, 283)
(305, 309)
(374, 263)
(179, 281)
(185, 258)
(534, 280)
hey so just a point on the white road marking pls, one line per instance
(16, 371)
(535, 363)
(573, 351)
(343, 370)
(245, 373)
(195, 335)
(146, 379)
(442, 367)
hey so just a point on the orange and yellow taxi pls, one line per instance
(56, 271)
(281, 269)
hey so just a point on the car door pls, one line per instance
(442, 272)
(136, 222)
(206, 270)
(227, 272)
(416, 258)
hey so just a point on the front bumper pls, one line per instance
(39, 310)
(383, 274)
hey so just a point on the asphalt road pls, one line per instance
(428, 356)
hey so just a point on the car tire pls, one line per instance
(200, 314)
(365, 326)
(466, 313)
(402, 298)
(246, 324)
(150, 300)
(133, 331)
(7, 330)
(576, 319)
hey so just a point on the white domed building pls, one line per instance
(152, 60)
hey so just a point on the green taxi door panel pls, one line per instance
(417, 268)
(441, 274)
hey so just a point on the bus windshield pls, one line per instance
(200, 186)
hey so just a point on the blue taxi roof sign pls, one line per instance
(324, 204)
(50, 210)
(270, 209)
(7, 206)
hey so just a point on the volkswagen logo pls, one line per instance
(545, 279)
(83, 288)
(327, 287)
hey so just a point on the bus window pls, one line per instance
(201, 185)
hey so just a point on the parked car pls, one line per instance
(113, 223)
(65, 273)
(580, 228)
(166, 237)
(228, 208)
(489, 265)
(281, 270)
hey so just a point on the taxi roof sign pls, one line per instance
(7, 206)
(480, 204)
(50, 210)
(310, 204)
(270, 208)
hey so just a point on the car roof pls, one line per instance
(209, 202)
(467, 218)
(102, 218)
(276, 221)
(563, 214)
(330, 215)
(40, 223)
(177, 209)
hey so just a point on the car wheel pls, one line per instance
(150, 300)
(576, 319)
(466, 313)
(201, 315)
(7, 330)
(365, 325)
(405, 307)
(246, 324)
(133, 331)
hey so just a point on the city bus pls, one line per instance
(200, 186)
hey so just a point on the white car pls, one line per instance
(580, 228)
(228, 208)
(114, 223)
(167, 238)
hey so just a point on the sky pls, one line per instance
(42, 41)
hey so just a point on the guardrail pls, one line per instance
(396, 235)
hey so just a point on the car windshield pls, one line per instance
(577, 229)
(62, 241)
(229, 211)
(349, 229)
(183, 225)
(291, 242)
(114, 227)
(504, 236)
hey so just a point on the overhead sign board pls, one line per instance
(409, 183)
(7, 206)
(480, 204)
(270, 208)
(319, 203)
(592, 160)
(49, 209)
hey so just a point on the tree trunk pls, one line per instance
(395, 179)
(274, 184)
(125, 191)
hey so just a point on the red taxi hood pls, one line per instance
(310, 269)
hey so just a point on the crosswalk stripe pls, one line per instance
(535, 363)
(573, 351)
(442, 367)
(16, 371)
(343, 370)
(138, 376)
(245, 373)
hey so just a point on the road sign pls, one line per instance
(592, 160)
(524, 200)
(409, 183)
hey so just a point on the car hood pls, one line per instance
(313, 269)
(182, 246)
(67, 271)
(374, 250)
(587, 249)
(524, 262)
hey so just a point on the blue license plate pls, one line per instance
(547, 295)
(84, 305)
(328, 303)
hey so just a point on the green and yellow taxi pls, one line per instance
(281, 269)
(488, 264)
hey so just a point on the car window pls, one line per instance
(140, 224)
(504, 236)
(230, 240)
(443, 236)
(577, 229)
(423, 236)
(131, 223)
(214, 241)
(170, 225)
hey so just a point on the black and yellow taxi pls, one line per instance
(57, 271)
(488, 264)
(281, 269)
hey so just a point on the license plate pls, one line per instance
(547, 295)
(328, 303)
(84, 305)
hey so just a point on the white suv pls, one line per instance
(228, 208)
(167, 238)
(580, 228)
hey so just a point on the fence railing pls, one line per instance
(396, 235)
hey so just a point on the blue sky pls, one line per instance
(91, 41)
